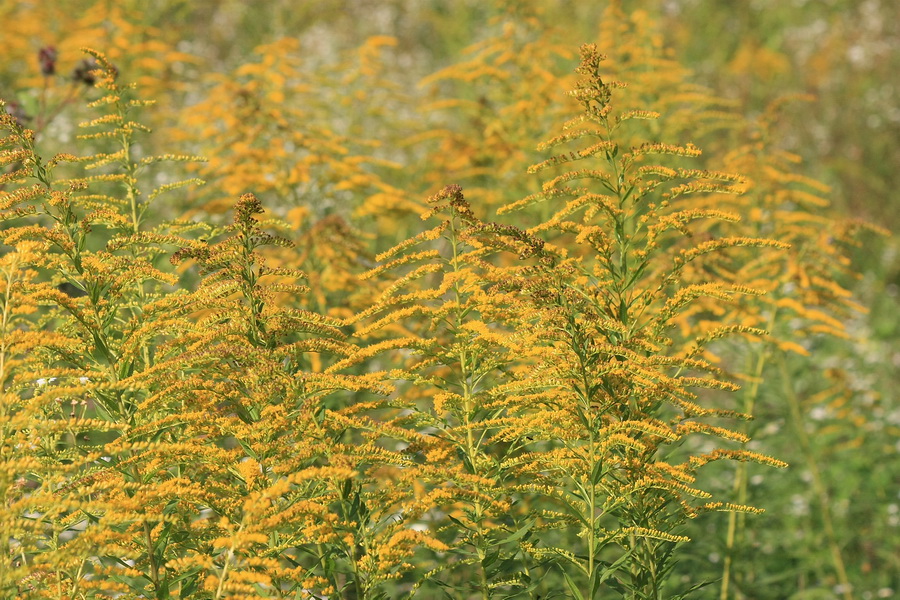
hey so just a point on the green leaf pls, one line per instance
(572, 587)
(489, 559)
(460, 523)
(597, 473)
(516, 535)
(694, 588)
(608, 571)
(191, 582)
(159, 546)
(248, 450)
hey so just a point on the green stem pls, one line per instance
(739, 488)
(819, 486)
(228, 556)
(471, 446)
(592, 507)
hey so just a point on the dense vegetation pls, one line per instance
(428, 299)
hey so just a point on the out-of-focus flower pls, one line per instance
(47, 59)
(84, 71)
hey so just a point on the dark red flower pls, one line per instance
(47, 60)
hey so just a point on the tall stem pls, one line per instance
(819, 487)
(739, 488)
(468, 408)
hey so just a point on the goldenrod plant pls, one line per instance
(622, 271)
(296, 508)
(505, 94)
(101, 306)
(598, 393)
(268, 126)
(285, 384)
(465, 338)
(806, 299)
